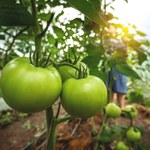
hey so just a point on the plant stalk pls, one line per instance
(52, 136)
(36, 30)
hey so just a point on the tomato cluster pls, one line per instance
(27, 88)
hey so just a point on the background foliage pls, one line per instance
(75, 28)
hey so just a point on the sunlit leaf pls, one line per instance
(89, 10)
(140, 33)
(125, 69)
(141, 57)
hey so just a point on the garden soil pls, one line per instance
(29, 133)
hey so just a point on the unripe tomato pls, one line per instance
(133, 134)
(84, 97)
(131, 110)
(67, 72)
(27, 88)
(112, 110)
(121, 146)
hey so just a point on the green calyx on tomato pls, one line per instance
(133, 134)
(112, 110)
(72, 70)
(27, 88)
(121, 146)
(67, 72)
(131, 110)
(84, 97)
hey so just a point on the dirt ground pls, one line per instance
(71, 135)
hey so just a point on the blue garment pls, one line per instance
(119, 83)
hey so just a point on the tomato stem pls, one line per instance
(36, 30)
(49, 117)
(65, 118)
(102, 127)
(52, 136)
(52, 123)
(82, 71)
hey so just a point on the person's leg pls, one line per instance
(121, 100)
(113, 97)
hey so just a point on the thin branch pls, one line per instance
(14, 37)
(48, 24)
(65, 118)
(3, 30)
(13, 41)
(2, 49)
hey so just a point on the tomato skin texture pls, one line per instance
(112, 110)
(121, 146)
(67, 72)
(27, 88)
(133, 135)
(84, 97)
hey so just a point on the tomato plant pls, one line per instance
(31, 89)
(84, 97)
(133, 134)
(112, 110)
(27, 88)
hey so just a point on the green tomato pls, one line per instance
(27, 88)
(67, 72)
(121, 146)
(131, 110)
(84, 97)
(133, 134)
(112, 110)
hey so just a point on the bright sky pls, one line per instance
(135, 12)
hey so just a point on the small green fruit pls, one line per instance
(133, 134)
(112, 110)
(121, 146)
(131, 110)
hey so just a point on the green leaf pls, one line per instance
(25, 37)
(136, 97)
(92, 64)
(141, 57)
(89, 10)
(94, 50)
(96, 4)
(125, 69)
(59, 32)
(140, 33)
(12, 14)
(8, 1)
(51, 39)
(105, 136)
(44, 16)
(2, 37)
